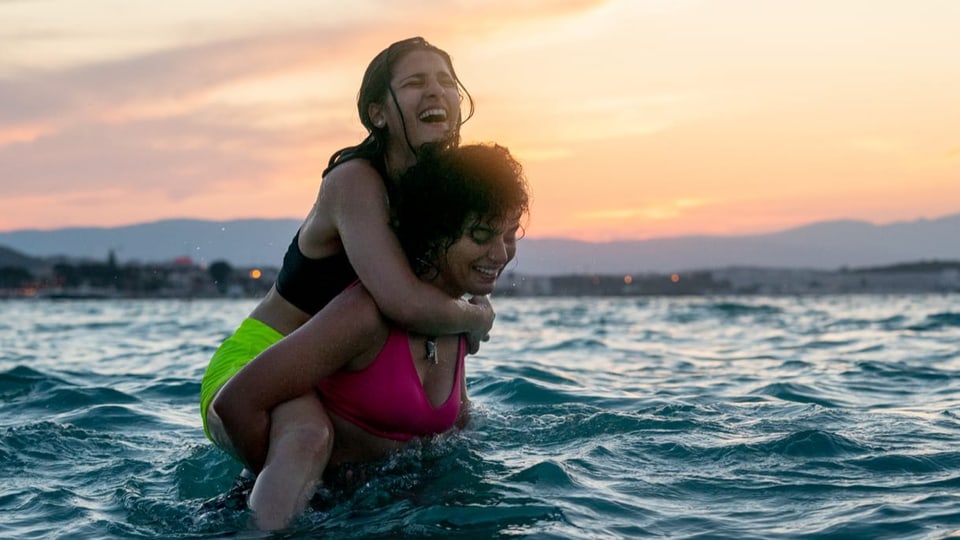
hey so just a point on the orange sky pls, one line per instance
(634, 118)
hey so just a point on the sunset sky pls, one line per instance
(634, 118)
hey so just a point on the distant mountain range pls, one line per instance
(254, 242)
(12, 258)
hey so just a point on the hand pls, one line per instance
(483, 333)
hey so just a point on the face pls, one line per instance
(428, 101)
(474, 262)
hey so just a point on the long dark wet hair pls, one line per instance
(375, 88)
(450, 191)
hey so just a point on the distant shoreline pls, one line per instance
(185, 280)
(250, 242)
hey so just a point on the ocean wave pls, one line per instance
(767, 417)
(937, 321)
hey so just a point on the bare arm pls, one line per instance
(346, 329)
(464, 417)
(355, 198)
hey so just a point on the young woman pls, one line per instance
(410, 96)
(456, 213)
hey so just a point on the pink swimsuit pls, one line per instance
(387, 398)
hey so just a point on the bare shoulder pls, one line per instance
(351, 191)
(356, 175)
(358, 326)
(356, 307)
(354, 199)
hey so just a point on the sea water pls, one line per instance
(739, 417)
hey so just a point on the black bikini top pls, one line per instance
(309, 284)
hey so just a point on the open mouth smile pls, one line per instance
(489, 272)
(434, 115)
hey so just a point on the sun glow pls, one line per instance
(633, 118)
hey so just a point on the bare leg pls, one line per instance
(301, 440)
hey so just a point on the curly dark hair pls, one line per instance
(448, 192)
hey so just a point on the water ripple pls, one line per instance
(777, 417)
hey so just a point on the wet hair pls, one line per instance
(375, 88)
(448, 192)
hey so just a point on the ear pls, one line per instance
(375, 112)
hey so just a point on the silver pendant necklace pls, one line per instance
(432, 350)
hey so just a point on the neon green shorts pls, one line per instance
(250, 339)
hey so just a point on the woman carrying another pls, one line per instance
(456, 213)
(410, 96)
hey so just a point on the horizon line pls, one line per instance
(544, 237)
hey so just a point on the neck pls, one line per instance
(441, 284)
(397, 161)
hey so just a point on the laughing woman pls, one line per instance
(410, 96)
(457, 214)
